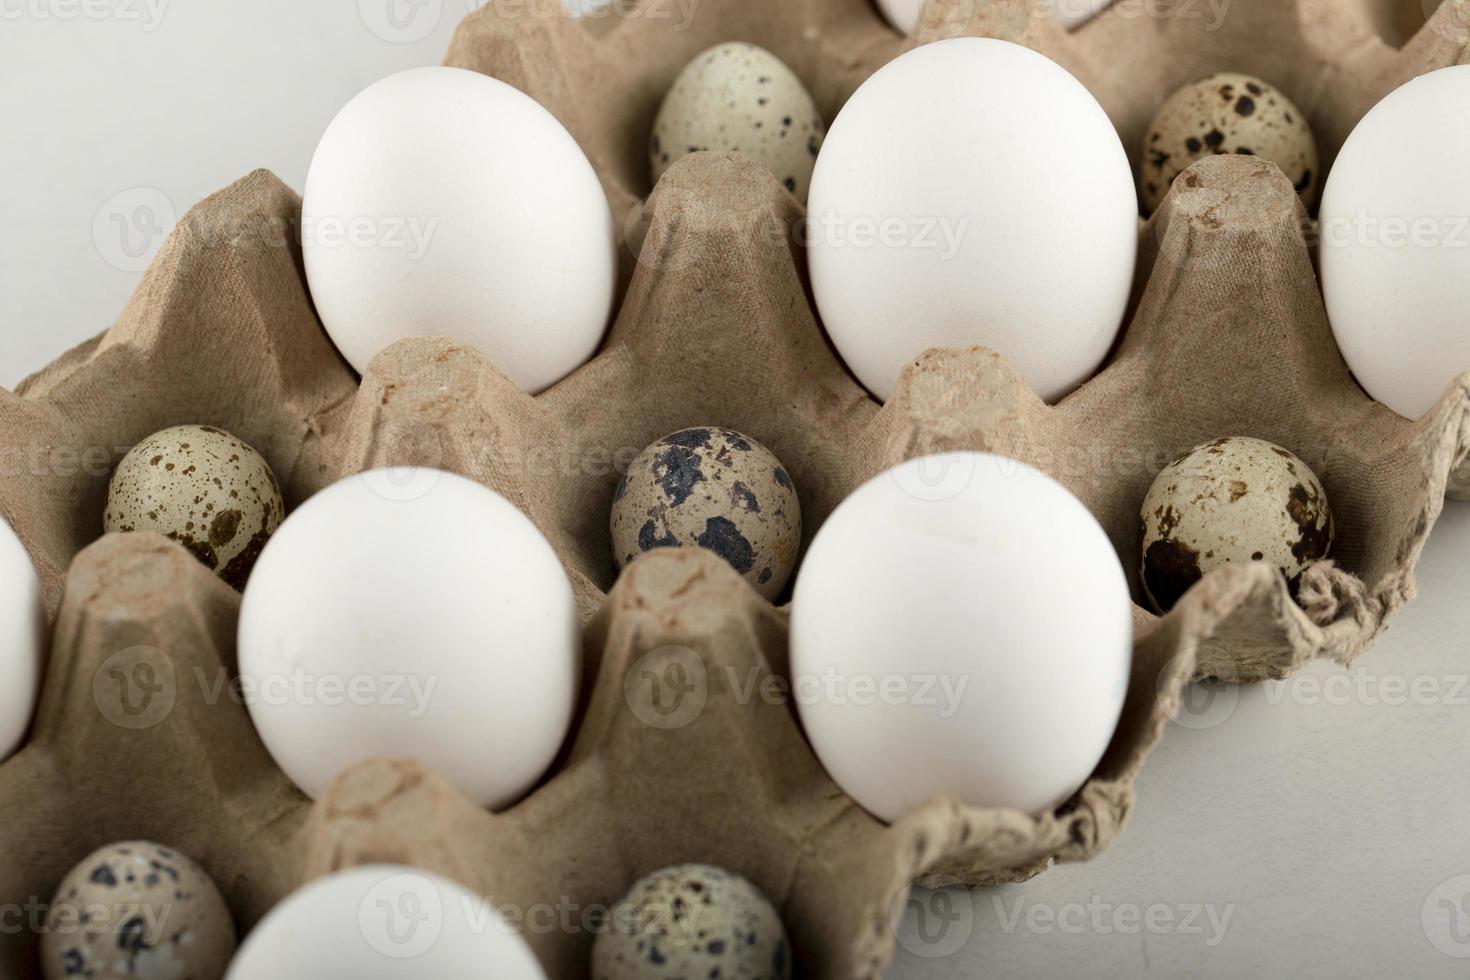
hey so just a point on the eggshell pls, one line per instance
(973, 193)
(1396, 243)
(411, 613)
(385, 922)
(203, 488)
(442, 202)
(137, 910)
(1234, 500)
(928, 657)
(690, 921)
(716, 489)
(904, 14)
(740, 97)
(1228, 113)
(22, 640)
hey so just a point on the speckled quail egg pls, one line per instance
(1228, 113)
(689, 921)
(717, 489)
(1231, 500)
(140, 911)
(203, 488)
(743, 98)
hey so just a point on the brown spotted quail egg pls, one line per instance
(140, 911)
(692, 920)
(1232, 500)
(1228, 113)
(716, 489)
(203, 488)
(742, 98)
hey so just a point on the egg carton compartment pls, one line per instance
(1227, 334)
(139, 735)
(135, 739)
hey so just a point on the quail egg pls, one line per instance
(692, 920)
(717, 489)
(1228, 113)
(1231, 500)
(140, 911)
(203, 488)
(741, 98)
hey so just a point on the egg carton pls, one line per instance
(138, 734)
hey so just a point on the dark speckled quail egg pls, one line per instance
(743, 98)
(692, 921)
(716, 489)
(139, 911)
(1232, 500)
(1228, 113)
(203, 488)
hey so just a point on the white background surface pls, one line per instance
(1315, 829)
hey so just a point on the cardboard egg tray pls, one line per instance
(672, 759)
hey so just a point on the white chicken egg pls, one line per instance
(961, 628)
(442, 202)
(973, 193)
(418, 616)
(904, 14)
(384, 922)
(1396, 243)
(22, 639)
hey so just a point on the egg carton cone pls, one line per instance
(677, 755)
